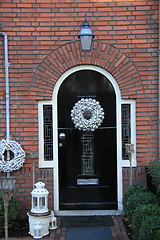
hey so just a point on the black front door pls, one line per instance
(87, 160)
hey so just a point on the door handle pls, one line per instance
(62, 135)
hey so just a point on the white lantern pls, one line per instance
(41, 219)
(38, 231)
(39, 199)
(53, 222)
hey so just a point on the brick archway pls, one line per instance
(102, 55)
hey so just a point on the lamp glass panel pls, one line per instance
(42, 202)
(35, 233)
(39, 233)
(86, 42)
(35, 202)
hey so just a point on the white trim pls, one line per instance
(55, 137)
(42, 162)
(54, 164)
(126, 163)
(89, 212)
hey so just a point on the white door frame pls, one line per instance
(55, 144)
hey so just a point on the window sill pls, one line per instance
(46, 164)
(126, 163)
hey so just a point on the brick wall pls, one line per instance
(43, 43)
(139, 176)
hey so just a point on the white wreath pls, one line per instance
(87, 114)
(18, 159)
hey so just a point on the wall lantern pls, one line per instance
(86, 35)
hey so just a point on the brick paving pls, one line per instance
(118, 232)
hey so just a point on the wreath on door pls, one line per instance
(87, 114)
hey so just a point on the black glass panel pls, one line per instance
(48, 132)
(126, 129)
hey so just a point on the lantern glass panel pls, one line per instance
(42, 203)
(35, 202)
(35, 233)
(86, 42)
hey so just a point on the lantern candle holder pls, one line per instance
(41, 219)
(53, 222)
(38, 231)
(39, 199)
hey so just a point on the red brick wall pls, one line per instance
(139, 176)
(43, 43)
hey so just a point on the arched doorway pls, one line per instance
(99, 186)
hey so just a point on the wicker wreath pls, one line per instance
(18, 159)
(87, 114)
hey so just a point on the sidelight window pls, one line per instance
(48, 132)
(45, 134)
(128, 130)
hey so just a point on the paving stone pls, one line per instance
(118, 232)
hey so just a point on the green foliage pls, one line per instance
(143, 212)
(140, 214)
(129, 193)
(154, 171)
(136, 199)
(150, 228)
(131, 190)
(12, 212)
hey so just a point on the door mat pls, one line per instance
(86, 221)
(89, 233)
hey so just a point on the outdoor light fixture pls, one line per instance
(86, 35)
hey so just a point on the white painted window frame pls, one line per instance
(132, 103)
(42, 162)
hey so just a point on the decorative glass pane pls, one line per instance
(48, 132)
(88, 153)
(126, 129)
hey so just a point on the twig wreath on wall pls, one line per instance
(17, 161)
(87, 114)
